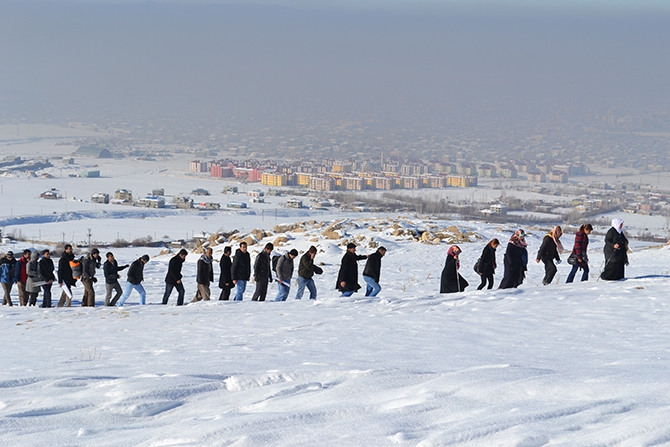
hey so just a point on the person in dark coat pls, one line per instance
(616, 252)
(240, 270)
(204, 276)
(263, 272)
(347, 277)
(579, 252)
(306, 271)
(111, 271)
(451, 281)
(173, 278)
(89, 265)
(7, 265)
(372, 272)
(65, 279)
(134, 281)
(487, 264)
(516, 260)
(549, 251)
(46, 271)
(225, 280)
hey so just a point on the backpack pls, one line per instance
(275, 261)
(77, 268)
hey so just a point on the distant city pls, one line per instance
(552, 152)
(476, 134)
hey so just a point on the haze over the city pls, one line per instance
(403, 64)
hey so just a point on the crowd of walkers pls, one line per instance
(515, 260)
(33, 273)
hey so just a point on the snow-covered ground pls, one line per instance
(583, 364)
(580, 364)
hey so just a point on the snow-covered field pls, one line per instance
(583, 364)
(580, 364)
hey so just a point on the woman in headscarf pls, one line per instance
(616, 252)
(452, 281)
(581, 259)
(516, 259)
(550, 249)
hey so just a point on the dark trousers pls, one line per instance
(486, 277)
(573, 272)
(46, 295)
(109, 288)
(7, 288)
(549, 272)
(225, 292)
(88, 300)
(168, 291)
(32, 298)
(261, 289)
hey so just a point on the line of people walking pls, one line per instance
(515, 260)
(33, 273)
(236, 271)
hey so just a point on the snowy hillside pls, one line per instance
(583, 364)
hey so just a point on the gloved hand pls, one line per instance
(559, 261)
(94, 279)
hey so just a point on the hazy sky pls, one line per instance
(164, 56)
(635, 4)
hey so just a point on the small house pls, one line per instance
(100, 197)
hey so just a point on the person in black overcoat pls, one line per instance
(225, 280)
(263, 272)
(451, 281)
(46, 268)
(347, 278)
(616, 252)
(65, 276)
(240, 270)
(515, 261)
(173, 278)
(487, 264)
(549, 251)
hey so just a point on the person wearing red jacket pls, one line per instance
(21, 276)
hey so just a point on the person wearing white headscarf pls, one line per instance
(616, 252)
